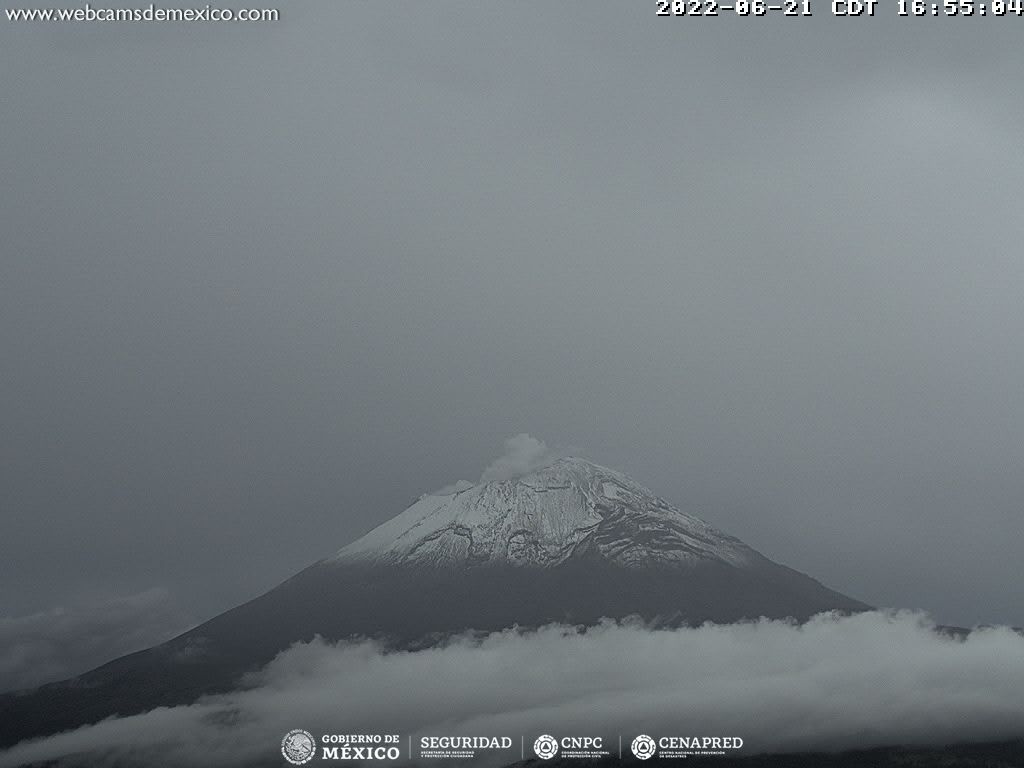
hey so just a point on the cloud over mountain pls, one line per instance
(523, 453)
(833, 683)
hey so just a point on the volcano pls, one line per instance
(570, 542)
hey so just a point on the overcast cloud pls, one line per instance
(63, 642)
(263, 285)
(834, 683)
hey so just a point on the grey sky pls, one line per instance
(262, 285)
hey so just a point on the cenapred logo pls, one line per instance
(643, 747)
(298, 746)
(546, 747)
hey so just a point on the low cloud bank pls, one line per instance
(833, 683)
(63, 642)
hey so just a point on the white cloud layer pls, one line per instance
(834, 683)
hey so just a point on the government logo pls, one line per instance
(298, 746)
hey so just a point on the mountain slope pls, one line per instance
(572, 542)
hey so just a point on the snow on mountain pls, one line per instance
(571, 542)
(568, 509)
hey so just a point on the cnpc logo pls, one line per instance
(546, 746)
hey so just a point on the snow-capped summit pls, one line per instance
(568, 509)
